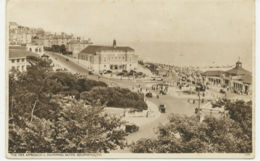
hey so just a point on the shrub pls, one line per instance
(114, 97)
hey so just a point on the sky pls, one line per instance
(140, 21)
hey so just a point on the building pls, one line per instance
(62, 39)
(18, 58)
(76, 46)
(113, 58)
(240, 80)
(237, 79)
(35, 48)
(19, 35)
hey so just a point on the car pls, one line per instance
(131, 128)
(67, 59)
(107, 72)
(149, 94)
(162, 108)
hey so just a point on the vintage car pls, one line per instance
(131, 128)
(149, 94)
(162, 108)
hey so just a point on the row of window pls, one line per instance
(115, 58)
(18, 60)
(121, 66)
(21, 68)
(36, 50)
(105, 59)
(84, 57)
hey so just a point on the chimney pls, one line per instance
(114, 43)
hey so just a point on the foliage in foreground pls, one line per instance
(115, 97)
(42, 119)
(185, 135)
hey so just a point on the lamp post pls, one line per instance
(198, 89)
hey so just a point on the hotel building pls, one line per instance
(108, 58)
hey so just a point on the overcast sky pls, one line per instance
(144, 20)
(226, 23)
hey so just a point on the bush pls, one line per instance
(114, 97)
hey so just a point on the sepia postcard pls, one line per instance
(130, 78)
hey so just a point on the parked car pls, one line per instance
(131, 128)
(67, 59)
(162, 108)
(107, 72)
(149, 94)
(90, 73)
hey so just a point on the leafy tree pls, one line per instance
(75, 129)
(114, 97)
(42, 119)
(186, 135)
(63, 49)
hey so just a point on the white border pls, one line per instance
(2, 84)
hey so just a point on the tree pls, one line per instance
(42, 119)
(75, 129)
(63, 49)
(186, 135)
(114, 97)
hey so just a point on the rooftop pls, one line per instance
(216, 73)
(79, 42)
(19, 52)
(93, 49)
(238, 71)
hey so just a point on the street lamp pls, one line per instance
(199, 88)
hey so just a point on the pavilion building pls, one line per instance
(237, 79)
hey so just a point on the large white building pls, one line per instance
(108, 58)
(18, 58)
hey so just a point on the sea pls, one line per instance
(195, 54)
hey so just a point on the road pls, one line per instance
(79, 69)
(173, 104)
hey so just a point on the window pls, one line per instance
(22, 67)
(13, 60)
(22, 60)
(13, 68)
(18, 60)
